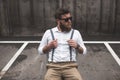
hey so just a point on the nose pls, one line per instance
(69, 20)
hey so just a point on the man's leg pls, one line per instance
(71, 74)
(52, 74)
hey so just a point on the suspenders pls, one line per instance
(69, 47)
(53, 39)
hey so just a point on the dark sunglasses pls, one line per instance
(67, 19)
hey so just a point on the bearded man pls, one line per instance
(61, 44)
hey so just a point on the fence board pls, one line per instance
(33, 17)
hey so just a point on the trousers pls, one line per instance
(62, 71)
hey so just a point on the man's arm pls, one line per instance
(51, 45)
(75, 45)
(79, 48)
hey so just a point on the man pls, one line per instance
(61, 44)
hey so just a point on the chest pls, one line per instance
(62, 38)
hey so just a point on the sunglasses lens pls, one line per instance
(71, 18)
(67, 19)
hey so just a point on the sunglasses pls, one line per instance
(67, 19)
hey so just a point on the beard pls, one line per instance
(65, 28)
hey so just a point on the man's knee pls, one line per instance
(76, 78)
(46, 77)
(52, 78)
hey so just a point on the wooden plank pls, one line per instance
(111, 20)
(50, 8)
(91, 17)
(92, 13)
(117, 29)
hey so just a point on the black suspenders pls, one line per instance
(69, 47)
(53, 39)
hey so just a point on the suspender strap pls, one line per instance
(72, 34)
(53, 39)
(70, 46)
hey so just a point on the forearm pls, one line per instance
(46, 49)
(79, 49)
(49, 46)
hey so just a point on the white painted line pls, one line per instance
(99, 42)
(112, 53)
(19, 41)
(91, 42)
(8, 65)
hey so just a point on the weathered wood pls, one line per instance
(4, 19)
(91, 17)
(117, 21)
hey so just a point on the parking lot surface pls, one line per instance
(97, 64)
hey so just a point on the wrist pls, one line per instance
(77, 46)
(48, 47)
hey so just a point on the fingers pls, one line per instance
(55, 41)
(53, 44)
(72, 43)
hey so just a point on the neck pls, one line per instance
(58, 26)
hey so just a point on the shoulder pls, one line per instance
(76, 31)
(47, 32)
(53, 29)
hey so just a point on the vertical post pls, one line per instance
(60, 3)
(4, 19)
(18, 13)
(74, 7)
(111, 17)
(44, 15)
(0, 19)
(115, 18)
(86, 24)
(9, 12)
(100, 20)
(31, 12)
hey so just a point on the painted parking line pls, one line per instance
(26, 42)
(8, 65)
(89, 42)
(99, 42)
(112, 53)
(20, 41)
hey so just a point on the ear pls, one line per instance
(58, 21)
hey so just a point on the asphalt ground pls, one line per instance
(97, 64)
(6, 53)
(116, 48)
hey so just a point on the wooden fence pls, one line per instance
(33, 17)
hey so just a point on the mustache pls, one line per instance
(64, 28)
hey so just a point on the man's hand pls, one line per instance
(75, 45)
(72, 43)
(51, 45)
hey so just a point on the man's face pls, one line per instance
(66, 22)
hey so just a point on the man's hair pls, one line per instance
(60, 12)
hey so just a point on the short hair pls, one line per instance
(60, 12)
